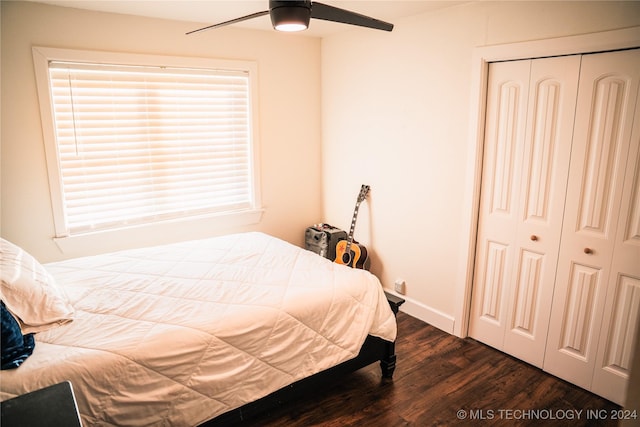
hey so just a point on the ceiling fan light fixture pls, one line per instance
(290, 27)
(290, 18)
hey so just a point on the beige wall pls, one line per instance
(396, 116)
(289, 119)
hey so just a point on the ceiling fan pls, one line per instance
(294, 15)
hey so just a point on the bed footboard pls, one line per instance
(373, 350)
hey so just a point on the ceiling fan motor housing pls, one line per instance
(289, 12)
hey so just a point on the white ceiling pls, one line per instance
(207, 12)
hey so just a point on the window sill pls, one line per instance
(157, 233)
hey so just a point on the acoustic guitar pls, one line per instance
(350, 252)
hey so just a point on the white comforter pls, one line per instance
(178, 334)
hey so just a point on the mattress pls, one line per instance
(175, 335)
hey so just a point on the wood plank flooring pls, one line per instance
(442, 380)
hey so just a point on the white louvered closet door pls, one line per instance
(530, 109)
(597, 291)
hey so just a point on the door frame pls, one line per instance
(482, 56)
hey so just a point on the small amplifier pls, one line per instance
(322, 239)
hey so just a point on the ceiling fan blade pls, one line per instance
(233, 21)
(335, 14)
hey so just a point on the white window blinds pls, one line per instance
(137, 144)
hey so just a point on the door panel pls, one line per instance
(588, 273)
(596, 197)
(505, 126)
(622, 307)
(553, 90)
(527, 148)
(579, 312)
(528, 286)
(495, 272)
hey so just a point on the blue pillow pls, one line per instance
(15, 346)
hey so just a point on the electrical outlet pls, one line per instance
(400, 286)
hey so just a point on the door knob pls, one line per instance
(534, 237)
(588, 251)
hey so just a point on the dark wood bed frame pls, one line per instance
(373, 350)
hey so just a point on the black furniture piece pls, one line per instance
(53, 406)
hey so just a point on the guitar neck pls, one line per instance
(364, 190)
(353, 225)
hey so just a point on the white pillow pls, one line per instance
(30, 292)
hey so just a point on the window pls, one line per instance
(134, 144)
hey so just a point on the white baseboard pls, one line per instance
(425, 313)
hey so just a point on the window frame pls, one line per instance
(42, 56)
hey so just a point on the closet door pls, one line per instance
(507, 96)
(622, 306)
(598, 224)
(527, 149)
(547, 151)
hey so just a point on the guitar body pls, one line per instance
(357, 257)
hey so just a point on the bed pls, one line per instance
(197, 332)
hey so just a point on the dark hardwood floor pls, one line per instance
(442, 380)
